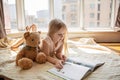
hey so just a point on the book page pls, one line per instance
(71, 71)
(91, 65)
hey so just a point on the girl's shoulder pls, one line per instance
(44, 44)
(47, 43)
(47, 40)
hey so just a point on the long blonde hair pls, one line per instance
(54, 26)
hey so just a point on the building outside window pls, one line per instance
(98, 7)
(38, 14)
(73, 7)
(100, 14)
(92, 15)
(92, 6)
(70, 9)
(75, 13)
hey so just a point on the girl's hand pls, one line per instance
(59, 64)
(63, 57)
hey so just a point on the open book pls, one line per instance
(76, 69)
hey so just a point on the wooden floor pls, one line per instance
(113, 46)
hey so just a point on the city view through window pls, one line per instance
(96, 14)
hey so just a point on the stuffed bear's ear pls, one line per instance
(26, 34)
(39, 32)
(27, 28)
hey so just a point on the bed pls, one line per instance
(109, 71)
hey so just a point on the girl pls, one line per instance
(54, 42)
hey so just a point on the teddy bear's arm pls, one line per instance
(19, 56)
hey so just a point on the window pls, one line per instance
(77, 14)
(98, 16)
(98, 7)
(63, 8)
(67, 10)
(92, 24)
(73, 7)
(37, 12)
(10, 15)
(98, 24)
(99, 13)
(92, 6)
(73, 17)
(91, 15)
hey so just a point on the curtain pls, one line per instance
(3, 38)
(117, 24)
(2, 22)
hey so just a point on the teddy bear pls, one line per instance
(31, 51)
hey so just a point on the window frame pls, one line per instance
(20, 14)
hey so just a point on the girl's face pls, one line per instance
(59, 35)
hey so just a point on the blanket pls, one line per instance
(109, 71)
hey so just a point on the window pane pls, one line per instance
(37, 12)
(10, 15)
(68, 10)
(95, 14)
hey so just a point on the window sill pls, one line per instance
(98, 36)
(109, 36)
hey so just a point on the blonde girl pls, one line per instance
(54, 43)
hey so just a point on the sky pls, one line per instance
(33, 5)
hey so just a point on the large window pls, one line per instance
(77, 14)
(68, 10)
(37, 12)
(98, 15)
